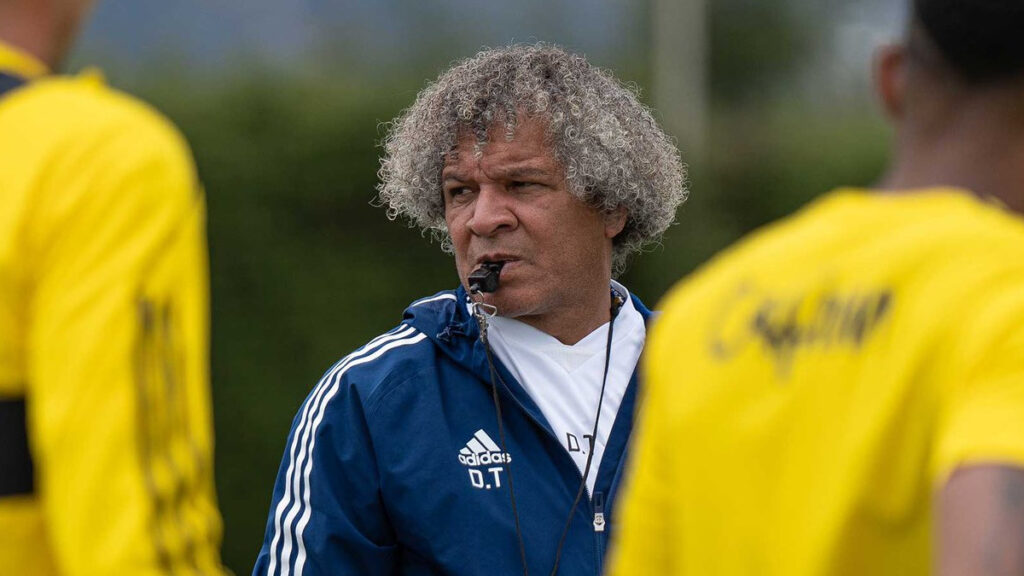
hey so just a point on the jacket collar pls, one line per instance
(445, 319)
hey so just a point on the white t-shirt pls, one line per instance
(565, 381)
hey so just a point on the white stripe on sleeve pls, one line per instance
(300, 437)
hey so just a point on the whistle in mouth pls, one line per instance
(485, 278)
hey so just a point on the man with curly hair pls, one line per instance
(842, 393)
(486, 434)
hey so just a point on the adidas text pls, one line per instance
(485, 458)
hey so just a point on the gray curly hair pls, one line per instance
(613, 152)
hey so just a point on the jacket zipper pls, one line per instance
(596, 501)
(599, 528)
(598, 511)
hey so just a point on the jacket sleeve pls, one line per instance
(118, 399)
(327, 515)
(981, 420)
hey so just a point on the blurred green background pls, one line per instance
(285, 131)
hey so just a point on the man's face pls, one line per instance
(511, 204)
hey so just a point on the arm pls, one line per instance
(327, 515)
(119, 402)
(980, 522)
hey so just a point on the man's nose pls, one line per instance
(492, 211)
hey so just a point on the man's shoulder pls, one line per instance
(869, 233)
(933, 248)
(77, 147)
(990, 225)
(397, 354)
(82, 111)
(437, 309)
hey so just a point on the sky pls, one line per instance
(377, 37)
(212, 34)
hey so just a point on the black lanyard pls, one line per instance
(16, 470)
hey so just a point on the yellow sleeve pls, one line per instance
(982, 419)
(645, 539)
(119, 407)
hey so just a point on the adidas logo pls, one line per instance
(481, 450)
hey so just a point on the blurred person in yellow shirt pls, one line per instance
(842, 392)
(105, 424)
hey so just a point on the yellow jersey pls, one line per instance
(811, 388)
(105, 418)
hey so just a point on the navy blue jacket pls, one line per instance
(393, 465)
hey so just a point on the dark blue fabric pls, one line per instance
(9, 82)
(387, 493)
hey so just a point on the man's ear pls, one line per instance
(614, 222)
(890, 79)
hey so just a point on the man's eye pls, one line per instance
(520, 184)
(453, 192)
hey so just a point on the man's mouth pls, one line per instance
(501, 259)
